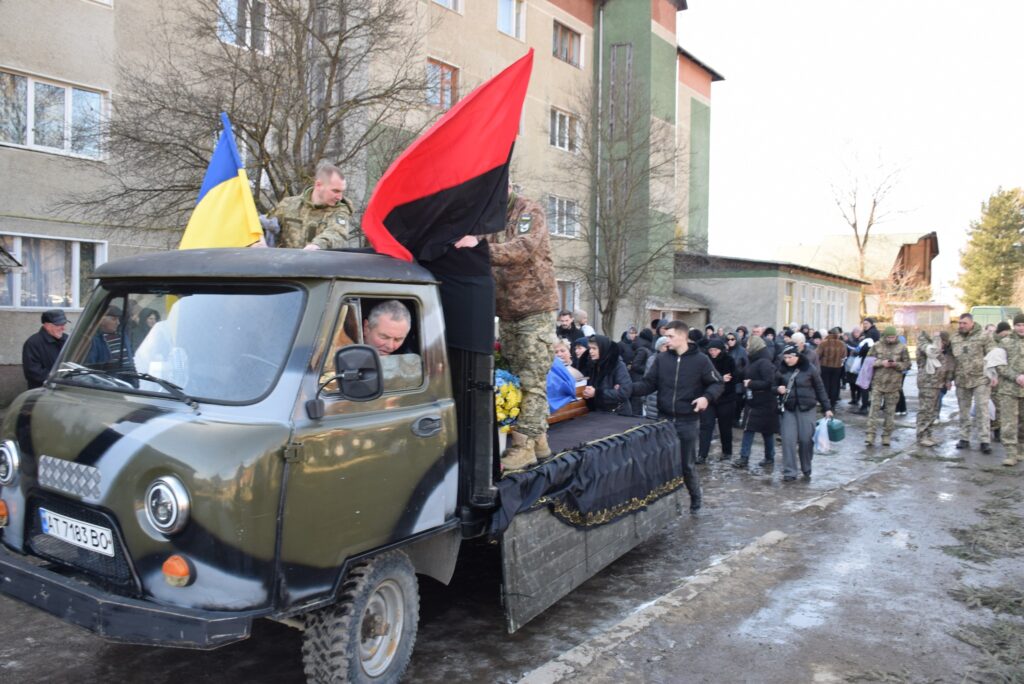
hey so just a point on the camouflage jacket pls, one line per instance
(524, 275)
(1014, 346)
(889, 379)
(969, 351)
(942, 375)
(303, 222)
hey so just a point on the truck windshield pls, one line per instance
(193, 343)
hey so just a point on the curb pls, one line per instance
(574, 660)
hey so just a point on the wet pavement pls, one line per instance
(854, 587)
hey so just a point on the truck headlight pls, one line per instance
(8, 462)
(167, 504)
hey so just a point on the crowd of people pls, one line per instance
(760, 382)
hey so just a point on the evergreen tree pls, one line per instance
(994, 256)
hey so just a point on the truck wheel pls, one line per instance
(369, 634)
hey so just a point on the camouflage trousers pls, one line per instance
(527, 346)
(982, 423)
(882, 403)
(927, 410)
(1011, 431)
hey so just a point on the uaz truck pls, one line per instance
(217, 444)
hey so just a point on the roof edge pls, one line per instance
(715, 76)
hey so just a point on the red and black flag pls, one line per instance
(451, 182)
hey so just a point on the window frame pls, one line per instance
(568, 288)
(452, 84)
(558, 217)
(518, 19)
(77, 296)
(450, 5)
(69, 88)
(357, 299)
(558, 31)
(572, 130)
(247, 44)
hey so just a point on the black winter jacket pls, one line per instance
(725, 365)
(807, 389)
(762, 415)
(38, 355)
(679, 379)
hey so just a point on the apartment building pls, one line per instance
(593, 59)
(56, 84)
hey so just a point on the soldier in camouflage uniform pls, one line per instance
(934, 373)
(1011, 393)
(526, 298)
(319, 218)
(970, 345)
(892, 359)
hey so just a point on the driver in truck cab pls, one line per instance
(387, 326)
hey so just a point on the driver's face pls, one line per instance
(108, 324)
(387, 335)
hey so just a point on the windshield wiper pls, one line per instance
(76, 370)
(174, 390)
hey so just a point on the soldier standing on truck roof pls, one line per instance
(526, 300)
(319, 218)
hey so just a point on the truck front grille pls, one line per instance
(114, 570)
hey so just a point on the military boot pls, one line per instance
(520, 455)
(540, 446)
(1013, 455)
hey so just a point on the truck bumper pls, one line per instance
(118, 618)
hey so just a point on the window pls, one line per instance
(564, 130)
(243, 23)
(54, 274)
(787, 314)
(565, 44)
(805, 305)
(510, 17)
(563, 217)
(815, 321)
(566, 295)
(49, 116)
(402, 370)
(450, 4)
(442, 84)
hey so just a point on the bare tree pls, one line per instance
(630, 166)
(862, 202)
(301, 80)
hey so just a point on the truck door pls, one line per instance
(371, 473)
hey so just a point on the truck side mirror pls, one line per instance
(357, 372)
(357, 368)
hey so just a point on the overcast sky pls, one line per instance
(935, 89)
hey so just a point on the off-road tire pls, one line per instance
(333, 648)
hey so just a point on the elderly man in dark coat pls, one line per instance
(41, 350)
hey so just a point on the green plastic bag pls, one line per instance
(836, 430)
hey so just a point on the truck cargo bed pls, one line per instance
(613, 483)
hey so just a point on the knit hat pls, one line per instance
(798, 337)
(790, 349)
(717, 343)
(660, 341)
(1002, 326)
(1019, 318)
(890, 331)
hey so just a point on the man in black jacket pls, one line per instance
(686, 382)
(40, 351)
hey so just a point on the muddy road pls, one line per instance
(877, 569)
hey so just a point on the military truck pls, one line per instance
(248, 456)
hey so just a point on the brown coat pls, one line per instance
(832, 352)
(524, 275)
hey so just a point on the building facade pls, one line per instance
(771, 293)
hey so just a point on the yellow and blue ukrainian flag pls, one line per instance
(225, 213)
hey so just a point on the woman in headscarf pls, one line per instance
(582, 362)
(610, 388)
(720, 411)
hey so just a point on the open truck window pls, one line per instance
(402, 369)
(205, 343)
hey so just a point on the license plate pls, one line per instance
(91, 537)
